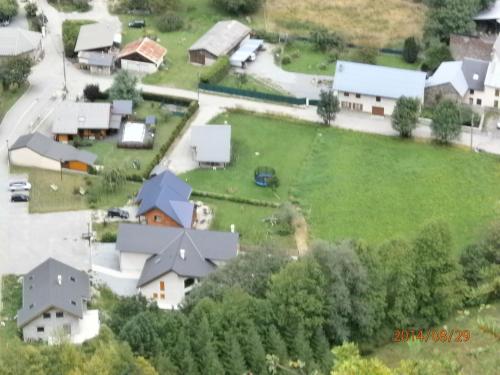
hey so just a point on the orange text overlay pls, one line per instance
(431, 335)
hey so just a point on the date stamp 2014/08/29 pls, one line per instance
(432, 335)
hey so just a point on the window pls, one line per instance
(31, 306)
(155, 295)
(46, 315)
(346, 94)
(157, 219)
(497, 92)
(188, 282)
(478, 101)
(162, 285)
(40, 329)
(378, 99)
(73, 302)
(72, 278)
(358, 96)
(162, 295)
(495, 104)
(31, 277)
(471, 101)
(59, 314)
(471, 92)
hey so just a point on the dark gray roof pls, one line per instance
(122, 107)
(475, 73)
(97, 58)
(212, 143)
(169, 194)
(42, 291)
(222, 37)
(96, 36)
(51, 149)
(201, 249)
(15, 41)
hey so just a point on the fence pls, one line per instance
(254, 94)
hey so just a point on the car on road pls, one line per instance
(19, 185)
(19, 198)
(137, 24)
(118, 212)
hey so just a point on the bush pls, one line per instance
(169, 22)
(285, 216)
(232, 198)
(365, 55)
(286, 60)
(217, 71)
(238, 7)
(81, 142)
(31, 9)
(445, 124)
(411, 50)
(435, 55)
(324, 40)
(108, 237)
(268, 36)
(91, 92)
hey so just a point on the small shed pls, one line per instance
(97, 62)
(143, 56)
(135, 135)
(211, 145)
(246, 52)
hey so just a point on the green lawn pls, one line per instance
(354, 185)
(109, 155)
(198, 16)
(479, 355)
(249, 221)
(44, 199)
(8, 98)
(306, 59)
(101, 228)
(252, 84)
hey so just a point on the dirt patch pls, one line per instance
(363, 22)
(301, 234)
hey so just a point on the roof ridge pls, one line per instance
(194, 245)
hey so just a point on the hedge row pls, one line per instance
(231, 198)
(166, 99)
(192, 108)
(217, 71)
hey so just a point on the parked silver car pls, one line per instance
(19, 186)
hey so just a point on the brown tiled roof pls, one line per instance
(462, 47)
(146, 48)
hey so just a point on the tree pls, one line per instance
(445, 123)
(411, 50)
(321, 350)
(238, 7)
(253, 350)
(366, 55)
(328, 106)
(124, 309)
(113, 180)
(8, 9)
(405, 116)
(437, 282)
(300, 348)
(15, 71)
(232, 358)
(276, 345)
(124, 87)
(203, 349)
(92, 92)
(325, 40)
(435, 54)
(141, 334)
(31, 9)
(169, 22)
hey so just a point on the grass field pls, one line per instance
(252, 84)
(479, 355)
(354, 185)
(109, 155)
(8, 98)
(363, 22)
(44, 199)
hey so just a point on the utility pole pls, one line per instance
(199, 81)
(471, 130)
(61, 163)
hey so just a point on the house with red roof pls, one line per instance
(142, 55)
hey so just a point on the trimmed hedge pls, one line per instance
(232, 198)
(177, 100)
(192, 108)
(217, 71)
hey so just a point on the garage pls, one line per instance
(378, 111)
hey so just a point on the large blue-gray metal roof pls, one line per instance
(378, 80)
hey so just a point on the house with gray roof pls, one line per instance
(457, 80)
(55, 298)
(164, 201)
(170, 261)
(375, 89)
(211, 145)
(99, 63)
(98, 37)
(39, 151)
(86, 120)
(222, 39)
(19, 42)
(487, 19)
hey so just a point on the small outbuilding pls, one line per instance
(222, 39)
(38, 151)
(211, 145)
(247, 52)
(143, 56)
(98, 37)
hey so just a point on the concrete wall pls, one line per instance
(27, 158)
(173, 294)
(367, 102)
(435, 94)
(133, 262)
(53, 327)
(138, 66)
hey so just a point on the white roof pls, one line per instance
(72, 116)
(247, 48)
(378, 80)
(449, 72)
(212, 143)
(492, 13)
(133, 132)
(222, 37)
(15, 41)
(95, 36)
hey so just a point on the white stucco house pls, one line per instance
(375, 89)
(54, 309)
(171, 261)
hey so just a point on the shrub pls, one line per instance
(366, 55)
(268, 36)
(168, 22)
(76, 190)
(108, 237)
(295, 54)
(285, 216)
(91, 92)
(238, 7)
(286, 60)
(31, 9)
(217, 71)
(411, 50)
(445, 124)
(324, 40)
(435, 55)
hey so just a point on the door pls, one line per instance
(379, 111)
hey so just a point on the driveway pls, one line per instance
(297, 84)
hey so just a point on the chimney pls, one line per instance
(59, 279)
(183, 254)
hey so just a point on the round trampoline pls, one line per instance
(264, 176)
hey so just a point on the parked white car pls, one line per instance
(19, 185)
